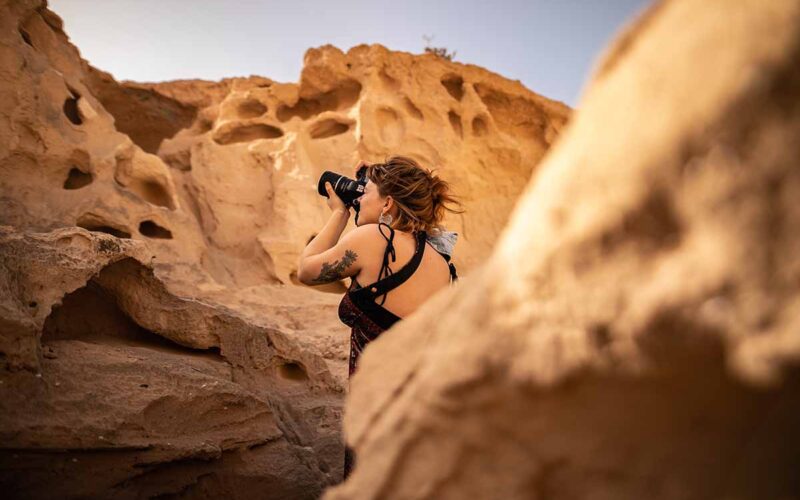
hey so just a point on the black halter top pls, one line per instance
(365, 297)
(359, 309)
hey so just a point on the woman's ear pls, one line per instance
(391, 207)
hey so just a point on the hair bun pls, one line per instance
(421, 196)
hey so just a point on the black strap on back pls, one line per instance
(387, 280)
(453, 274)
(385, 271)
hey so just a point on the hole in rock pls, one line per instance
(32, 304)
(26, 37)
(152, 192)
(328, 128)
(144, 386)
(455, 122)
(342, 97)
(71, 108)
(247, 133)
(145, 115)
(454, 85)
(674, 341)
(250, 108)
(600, 335)
(103, 228)
(293, 371)
(515, 115)
(77, 179)
(91, 314)
(203, 125)
(152, 230)
(412, 109)
(479, 126)
(391, 82)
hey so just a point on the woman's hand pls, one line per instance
(334, 202)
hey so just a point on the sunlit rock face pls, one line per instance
(254, 154)
(222, 175)
(635, 333)
(153, 338)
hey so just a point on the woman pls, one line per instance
(398, 218)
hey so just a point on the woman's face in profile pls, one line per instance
(371, 203)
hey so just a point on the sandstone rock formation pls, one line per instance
(152, 337)
(635, 333)
(221, 175)
(136, 390)
(480, 132)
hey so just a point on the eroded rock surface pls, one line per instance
(153, 339)
(482, 133)
(129, 387)
(221, 177)
(635, 333)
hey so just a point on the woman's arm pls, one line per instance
(319, 265)
(325, 259)
(328, 236)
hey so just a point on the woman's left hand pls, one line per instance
(334, 202)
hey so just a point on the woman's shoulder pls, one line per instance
(366, 231)
(376, 235)
(367, 234)
(372, 230)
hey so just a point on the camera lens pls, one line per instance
(346, 188)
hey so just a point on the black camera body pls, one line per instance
(347, 189)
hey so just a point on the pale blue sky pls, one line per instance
(549, 45)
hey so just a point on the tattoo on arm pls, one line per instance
(334, 272)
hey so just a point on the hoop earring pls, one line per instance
(385, 219)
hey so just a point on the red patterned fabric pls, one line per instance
(363, 329)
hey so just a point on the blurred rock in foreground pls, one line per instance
(636, 333)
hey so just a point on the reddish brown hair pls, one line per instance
(422, 198)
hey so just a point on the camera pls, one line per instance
(346, 188)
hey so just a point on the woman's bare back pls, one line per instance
(432, 275)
